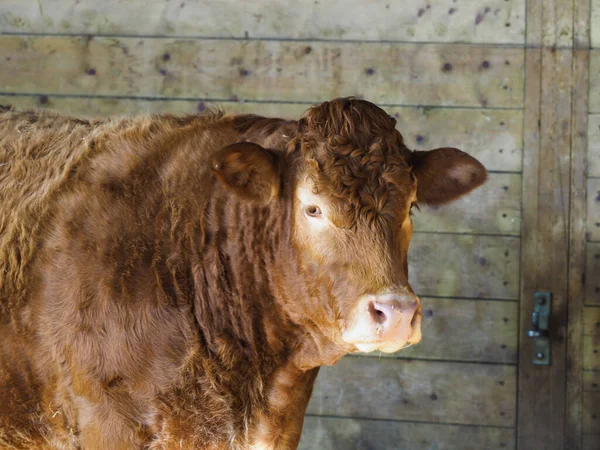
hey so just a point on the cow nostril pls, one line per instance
(377, 314)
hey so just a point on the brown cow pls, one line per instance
(176, 282)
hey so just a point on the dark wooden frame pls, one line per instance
(553, 233)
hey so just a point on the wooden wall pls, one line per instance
(591, 326)
(451, 71)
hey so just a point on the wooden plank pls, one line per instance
(591, 442)
(591, 384)
(495, 21)
(595, 21)
(420, 74)
(334, 433)
(591, 352)
(455, 265)
(591, 347)
(595, 81)
(492, 136)
(465, 330)
(591, 321)
(495, 208)
(592, 269)
(542, 397)
(593, 209)
(458, 393)
(557, 19)
(577, 224)
(591, 413)
(594, 144)
(542, 389)
(591, 381)
(115, 106)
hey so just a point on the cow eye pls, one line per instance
(313, 211)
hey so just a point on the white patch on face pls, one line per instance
(261, 446)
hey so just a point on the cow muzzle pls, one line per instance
(387, 322)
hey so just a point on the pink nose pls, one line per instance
(397, 317)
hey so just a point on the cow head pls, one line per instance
(353, 186)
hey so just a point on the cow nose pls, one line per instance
(387, 322)
(396, 317)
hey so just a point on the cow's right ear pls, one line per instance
(249, 170)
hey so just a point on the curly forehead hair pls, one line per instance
(354, 152)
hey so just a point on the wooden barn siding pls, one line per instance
(591, 376)
(473, 21)
(448, 89)
(421, 74)
(591, 328)
(575, 389)
(595, 23)
(342, 433)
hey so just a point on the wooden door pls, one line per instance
(552, 402)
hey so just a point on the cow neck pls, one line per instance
(241, 326)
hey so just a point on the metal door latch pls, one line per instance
(540, 332)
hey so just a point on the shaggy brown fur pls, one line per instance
(154, 292)
(361, 158)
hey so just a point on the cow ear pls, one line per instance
(249, 170)
(445, 174)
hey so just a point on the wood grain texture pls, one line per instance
(591, 352)
(490, 21)
(334, 433)
(557, 23)
(492, 136)
(592, 269)
(494, 208)
(595, 24)
(542, 396)
(591, 381)
(455, 265)
(591, 442)
(591, 344)
(465, 330)
(591, 321)
(420, 74)
(542, 389)
(593, 209)
(458, 393)
(593, 155)
(577, 224)
(591, 413)
(595, 81)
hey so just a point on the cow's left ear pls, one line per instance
(445, 174)
(247, 169)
